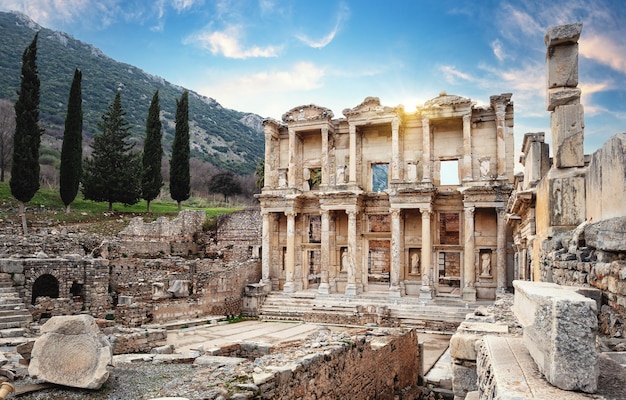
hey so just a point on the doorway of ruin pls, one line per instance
(378, 264)
(448, 271)
(45, 285)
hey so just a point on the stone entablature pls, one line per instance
(382, 164)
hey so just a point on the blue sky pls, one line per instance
(268, 56)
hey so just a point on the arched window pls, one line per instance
(45, 285)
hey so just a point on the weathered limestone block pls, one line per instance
(560, 34)
(567, 124)
(560, 328)
(562, 65)
(607, 235)
(606, 180)
(564, 204)
(562, 55)
(506, 371)
(179, 288)
(463, 345)
(464, 379)
(71, 351)
(562, 96)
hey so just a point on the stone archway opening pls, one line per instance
(46, 285)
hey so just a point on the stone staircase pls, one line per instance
(14, 317)
(439, 314)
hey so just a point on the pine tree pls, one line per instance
(113, 172)
(25, 167)
(72, 148)
(151, 178)
(225, 183)
(179, 164)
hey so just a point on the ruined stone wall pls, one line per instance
(364, 369)
(592, 255)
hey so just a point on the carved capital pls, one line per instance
(469, 211)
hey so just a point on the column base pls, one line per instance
(289, 287)
(323, 289)
(426, 293)
(351, 290)
(469, 294)
(395, 292)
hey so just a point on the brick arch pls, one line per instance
(45, 285)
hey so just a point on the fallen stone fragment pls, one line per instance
(71, 351)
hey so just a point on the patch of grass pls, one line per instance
(46, 208)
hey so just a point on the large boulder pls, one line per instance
(71, 351)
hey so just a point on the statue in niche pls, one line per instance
(412, 171)
(306, 176)
(415, 263)
(341, 175)
(485, 264)
(485, 168)
(282, 178)
(348, 265)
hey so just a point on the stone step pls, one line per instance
(15, 317)
(16, 305)
(10, 312)
(13, 324)
(12, 332)
(7, 289)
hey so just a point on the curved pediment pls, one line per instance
(371, 105)
(309, 112)
(448, 100)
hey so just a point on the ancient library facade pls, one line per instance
(383, 200)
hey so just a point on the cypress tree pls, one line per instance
(25, 168)
(113, 172)
(72, 148)
(151, 179)
(179, 164)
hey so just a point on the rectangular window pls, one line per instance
(449, 173)
(380, 177)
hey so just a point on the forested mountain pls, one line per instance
(226, 138)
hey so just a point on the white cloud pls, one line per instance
(452, 74)
(266, 91)
(227, 43)
(604, 50)
(342, 15)
(498, 50)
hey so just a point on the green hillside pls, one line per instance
(226, 138)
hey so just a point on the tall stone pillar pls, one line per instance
(501, 251)
(324, 287)
(324, 160)
(396, 162)
(469, 259)
(270, 176)
(396, 254)
(266, 248)
(290, 259)
(467, 147)
(352, 166)
(426, 291)
(426, 149)
(293, 162)
(500, 139)
(351, 288)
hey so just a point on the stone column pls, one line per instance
(291, 173)
(324, 287)
(501, 131)
(427, 248)
(501, 251)
(396, 254)
(467, 148)
(352, 167)
(396, 162)
(351, 289)
(426, 149)
(269, 168)
(469, 259)
(289, 286)
(324, 160)
(266, 248)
